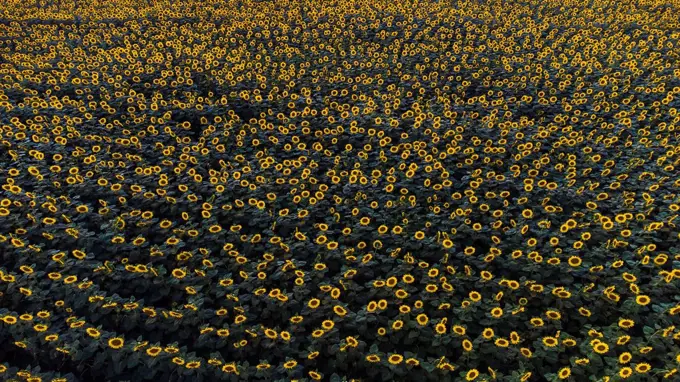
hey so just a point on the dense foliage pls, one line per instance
(335, 190)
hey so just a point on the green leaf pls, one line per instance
(428, 366)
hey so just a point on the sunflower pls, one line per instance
(582, 361)
(459, 330)
(471, 375)
(178, 273)
(502, 342)
(670, 373)
(412, 362)
(327, 324)
(601, 348)
(642, 300)
(550, 342)
(92, 332)
(643, 368)
(569, 342)
(488, 333)
(51, 337)
(395, 359)
(231, 367)
(318, 333)
(564, 373)
(553, 314)
(240, 319)
(401, 294)
(43, 314)
(9, 320)
(178, 361)
(269, 333)
(526, 352)
(314, 303)
(116, 342)
(625, 372)
(214, 362)
(422, 319)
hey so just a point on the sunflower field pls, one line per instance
(339, 190)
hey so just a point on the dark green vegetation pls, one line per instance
(317, 190)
